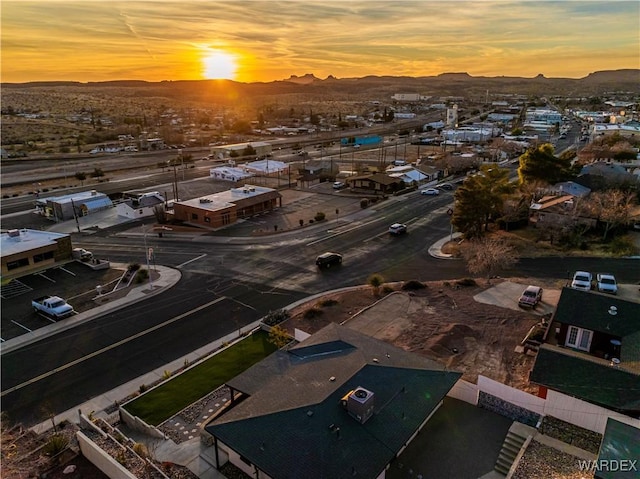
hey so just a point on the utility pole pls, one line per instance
(75, 215)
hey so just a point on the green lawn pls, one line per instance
(174, 395)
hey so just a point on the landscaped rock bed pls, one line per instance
(541, 461)
(571, 434)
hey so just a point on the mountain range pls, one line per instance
(446, 84)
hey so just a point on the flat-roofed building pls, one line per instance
(224, 208)
(26, 251)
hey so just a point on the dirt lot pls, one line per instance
(442, 322)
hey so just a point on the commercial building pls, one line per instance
(68, 207)
(224, 208)
(259, 149)
(26, 251)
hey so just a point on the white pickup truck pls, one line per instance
(52, 306)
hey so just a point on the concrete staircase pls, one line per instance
(516, 437)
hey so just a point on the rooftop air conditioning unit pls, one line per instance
(359, 403)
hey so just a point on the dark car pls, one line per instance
(530, 297)
(328, 259)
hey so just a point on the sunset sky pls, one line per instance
(252, 41)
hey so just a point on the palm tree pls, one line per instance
(375, 281)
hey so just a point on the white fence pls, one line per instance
(558, 405)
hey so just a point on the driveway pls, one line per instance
(507, 293)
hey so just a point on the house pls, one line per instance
(591, 351)
(407, 173)
(339, 404)
(67, 207)
(378, 183)
(140, 206)
(557, 211)
(570, 188)
(27, 251)
(224, 208)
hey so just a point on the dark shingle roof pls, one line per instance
(587, 378)
(621, 442)
(284, 426)
(590, 310)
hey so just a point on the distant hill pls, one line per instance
(331, 88)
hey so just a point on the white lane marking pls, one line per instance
(192, 260)
(343, 232)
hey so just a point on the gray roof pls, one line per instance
(283, 427)
(27, 240)
(591, 310)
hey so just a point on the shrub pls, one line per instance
(413, 285)
(466, 282)
(312, 313)
(133, 267)
(386, 289)
(55, 445)
(364, 203)
(142, 276)
(141, 450)
(276, 317)
(143, 388)
(320, 216)
(622, 245)
(325, 303)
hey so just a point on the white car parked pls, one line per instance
(607, 283)
(582, 280)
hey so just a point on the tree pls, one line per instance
(81, 176)
(485, 256)
(249, 151)
(480, 199)
(613, 208)
(541, 164)
(97, 173)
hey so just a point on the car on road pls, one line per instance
(606, 283)
(582, 280)
(397, 229)
(530, 297)
(338, 185)
(430, 192)
(328, 259)
(445, 186)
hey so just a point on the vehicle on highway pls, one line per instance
(606, 283)
(582, 280)
(397, 229)
(530, 297)
(328, 259)
(430, 192)
(445, 186)
(53, 306)
(338, 185)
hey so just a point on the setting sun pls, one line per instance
(219, 65)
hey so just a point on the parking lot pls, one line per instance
(74, 282)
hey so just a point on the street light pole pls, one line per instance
(147, 254)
